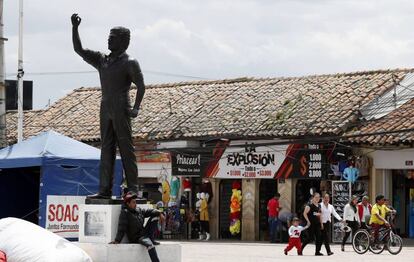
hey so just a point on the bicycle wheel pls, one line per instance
(361, 241)
(377, 248)
(394, 244)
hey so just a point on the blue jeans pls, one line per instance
(273, 228)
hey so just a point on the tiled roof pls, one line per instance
(399, 119)
(235, 108)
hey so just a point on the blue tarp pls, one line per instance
(47, 145)
(67, 166)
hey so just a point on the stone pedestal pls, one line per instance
(98, 223)
(98, 220)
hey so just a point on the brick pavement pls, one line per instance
(250, 252)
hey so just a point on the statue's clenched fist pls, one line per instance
(76, 20)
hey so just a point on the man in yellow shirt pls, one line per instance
(378, 213)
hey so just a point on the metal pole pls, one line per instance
(3, 140)
(20, 74)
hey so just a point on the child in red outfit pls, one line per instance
(294, 236)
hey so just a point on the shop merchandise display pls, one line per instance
(187, 184)
(351, 173)
(207, 188)
(235, 208)
(174, 188)
(164, 189)
(204, 216)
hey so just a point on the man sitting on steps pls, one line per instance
(131, 223)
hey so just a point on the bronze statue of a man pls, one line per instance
(116, 71)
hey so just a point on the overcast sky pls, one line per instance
(212, 39)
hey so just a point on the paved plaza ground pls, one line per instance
(250, 252)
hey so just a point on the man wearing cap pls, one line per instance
(116, 71)
(364, 211)
(131, 223)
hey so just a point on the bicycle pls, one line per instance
(363, 241)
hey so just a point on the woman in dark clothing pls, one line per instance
(351, 218)
(312, 214)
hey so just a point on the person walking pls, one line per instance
(351, 219)
(327, 211)
(273, 213)
(364, 211)
(294, 236)
(312, 214)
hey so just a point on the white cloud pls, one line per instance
(213, 39)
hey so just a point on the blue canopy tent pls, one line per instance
(64, 167)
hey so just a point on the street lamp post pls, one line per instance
(20, 74)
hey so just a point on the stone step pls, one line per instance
(167, 252)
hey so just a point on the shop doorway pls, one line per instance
(403, 202)
(224, 209)
(267, 189)
(302, 193)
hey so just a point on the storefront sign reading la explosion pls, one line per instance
(251, 162)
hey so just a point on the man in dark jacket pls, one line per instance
(131, 223)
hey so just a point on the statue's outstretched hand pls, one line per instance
(76, 20)
(132, 112)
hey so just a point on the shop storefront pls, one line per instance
(240, 177)
(394, 177)
(251, 169)
(323, 168)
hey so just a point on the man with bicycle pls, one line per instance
(378, 215)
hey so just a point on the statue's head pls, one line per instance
(119, 39)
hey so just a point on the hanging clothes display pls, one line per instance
(187, 184)
(204, 217)
(207, 188)
(175, 188)
(351, 173)
(235, 208)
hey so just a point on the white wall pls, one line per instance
(396, 159)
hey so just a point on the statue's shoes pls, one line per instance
(99, 196)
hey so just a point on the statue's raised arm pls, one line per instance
(91, 57)
(77, 44)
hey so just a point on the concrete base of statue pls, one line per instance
(167, 252)
(98, 220)
(98, 223)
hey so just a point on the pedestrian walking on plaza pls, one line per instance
(131, 223)
(312, 214)
(327, 211)
(294, 236)
(273, 213)
(364, 211)
(351, 219)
